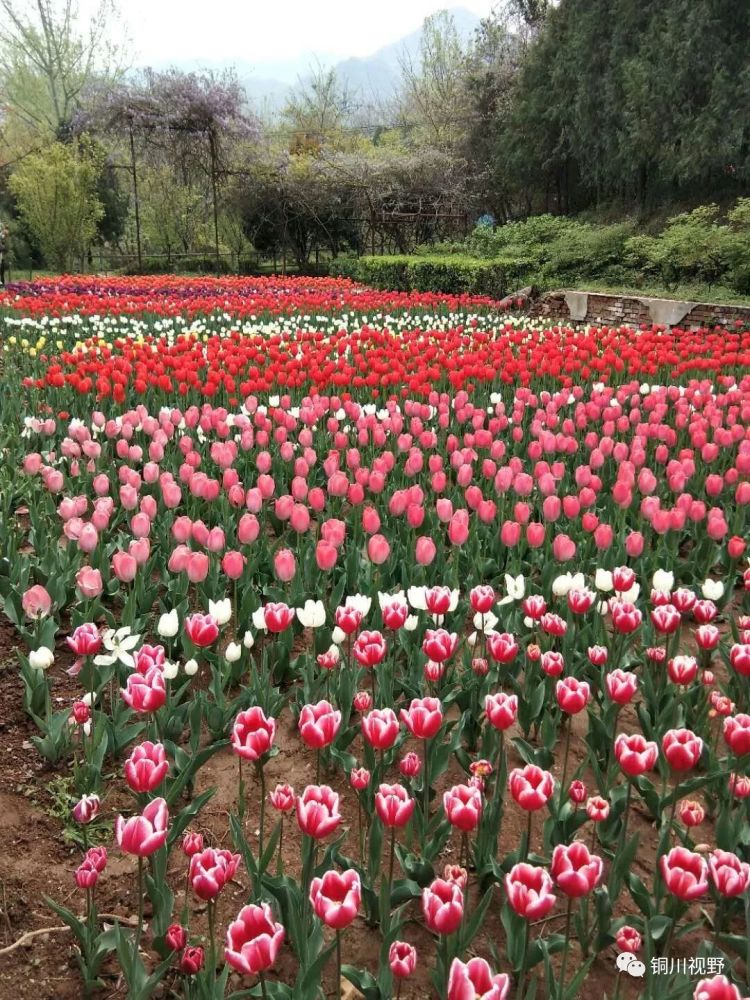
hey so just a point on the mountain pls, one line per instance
(368, 79)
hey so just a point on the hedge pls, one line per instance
(451, 274)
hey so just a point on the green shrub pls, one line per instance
(452, 275)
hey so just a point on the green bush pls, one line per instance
(452, 275)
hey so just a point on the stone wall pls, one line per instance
(615, 310)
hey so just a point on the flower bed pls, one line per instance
(382, 638)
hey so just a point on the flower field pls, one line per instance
(370, 641)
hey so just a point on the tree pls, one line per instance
(318, 110)
(433, 91)
(48, 56)
(56, 193)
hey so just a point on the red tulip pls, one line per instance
(502, 647)
(393, 805)
(628, 939)
(380, 728)
(282, 798)
(529, 891)
(210, 870)
(572, 695)
(501, 710)
(318, 811)
(176, 937)
(574, 870)
(621, 685)
(143, 835)
(717, 988)
(191, 960)
(369, 649)
(253, 734)
(463, 807)
(635, 754)
(442, 906)
(318, 724)
(336, 898)
(402, 958)
(145, 692)
(146, 767)
(253, 940)
(202, 630)
(423, 718)
(682, 748)
(474, 981)
(685, 873)
(730, 875)
(531, 787)
(439, 645)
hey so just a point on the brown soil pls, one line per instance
(35, 861)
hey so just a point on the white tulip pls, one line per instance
(713, 590)
(360, 602)
(259, 620)
(663, 581)
(170, 670)
(233, 652)
(338, 635)
(42, 658)
(191, 667)
(603, 580)
(485, 622)
(220, 611)
(417, 598)
(312, 615)
(169, 624)
(411, 623)
(248, 640)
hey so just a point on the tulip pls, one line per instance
(192, 843)
(717, 988)
(380, 728)
(442, 907)
(176, 937)
(146, 767)
(318, 811)
(572, 695)
(635, 754)
(143, 835)
(402, 959)
(463, 807)
(86, 809)
(682, 749)
(369, 649)
(145, 693)
(36, 602)
(253, 940)
(621, 686)
(691, 813)
(202, 630)
(501, 710)
(531, 787)
(318, 724)
(628, 939)
(393, 805)
(574, 870)
(423, 718)
(253, 734)
(730, 875)
(529, 890)
(210, 870)
(284, 565)
(685, 873)
(191, 961)
(336, 898)
(89, 582)
(474, 981)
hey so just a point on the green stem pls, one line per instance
(262, 780)
(212, 936)
(338, 963)
(563, 791)
(426, 782)
(139, 928)
(263, 989)
(566, 949)
(522, 972)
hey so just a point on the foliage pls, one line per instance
(56, 192)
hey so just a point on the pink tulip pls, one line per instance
(574, 869)
(210, 870)
(146, 767)
(145, 693)
(253, 733)
(145, 834)
(336, 898)
(474, 980)
(318, 724)
(442, 907)
(393, 805)
(36, 602)
(253, 940)
(318, 811)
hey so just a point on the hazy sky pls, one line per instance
(270, 31)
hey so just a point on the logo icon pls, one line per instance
(627, 962)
